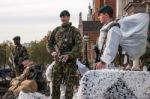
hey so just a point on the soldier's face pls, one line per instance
(65, 19)
(16, 42)
(103, 18)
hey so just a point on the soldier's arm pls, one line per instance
(25, 54)
(51, 41)
(77, 48)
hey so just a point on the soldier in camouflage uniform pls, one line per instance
(65, 46)
(19, 54)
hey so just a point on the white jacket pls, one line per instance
(112, 42)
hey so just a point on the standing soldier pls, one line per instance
(19, 54)
(65, 46)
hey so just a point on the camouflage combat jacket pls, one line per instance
(20, 54)
(68, 40)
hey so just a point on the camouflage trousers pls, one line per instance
(64, 73)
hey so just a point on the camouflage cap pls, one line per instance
(64, 13)
(16, 38)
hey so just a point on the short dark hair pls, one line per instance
(64, 13)
(106, 9)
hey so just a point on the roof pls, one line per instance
(94, 26)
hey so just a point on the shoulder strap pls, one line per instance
(112, 25)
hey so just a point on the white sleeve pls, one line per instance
(112, 44)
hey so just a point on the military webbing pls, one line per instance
(112, 25)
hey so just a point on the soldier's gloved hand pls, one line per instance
(54, 54)
(65, 58)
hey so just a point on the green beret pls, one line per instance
(64, 13)
(16, 38)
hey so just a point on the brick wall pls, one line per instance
(96, 6)
(112, 3)
(92, 41)
(98, 3)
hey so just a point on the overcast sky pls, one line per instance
(32, 19)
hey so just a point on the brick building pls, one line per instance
(98, 3)
(91, 29)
